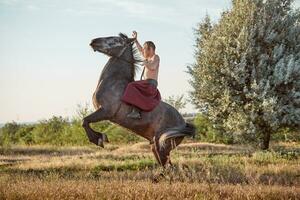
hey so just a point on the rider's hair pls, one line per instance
(150, 44)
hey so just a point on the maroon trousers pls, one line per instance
(141, 94)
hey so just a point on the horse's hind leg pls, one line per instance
(163, 153)
(153, 148)
(156, 178)
(95, 137)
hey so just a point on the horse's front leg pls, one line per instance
(94, 136)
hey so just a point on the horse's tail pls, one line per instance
(187, 130)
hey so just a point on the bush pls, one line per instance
(208, 133)
(8, 133)
(287, 135)
(117, 134)
(61, 131)
(51, 131)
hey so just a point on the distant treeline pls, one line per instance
(65, 131)
(60, 131)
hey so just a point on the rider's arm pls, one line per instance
(140, 48)
(152, 65)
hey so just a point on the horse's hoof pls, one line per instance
(100, 143)
(158, 177)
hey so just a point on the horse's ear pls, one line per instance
(123, 35)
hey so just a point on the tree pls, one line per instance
(202, 33)
(247, 69)
(177, 102)
(51, 131)
(8, 133)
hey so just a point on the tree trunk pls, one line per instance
(266, 139)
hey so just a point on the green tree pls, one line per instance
(207, 132)
(51, 131)
(177, 101)
(8, 133)
(247, 70)
(24, 134)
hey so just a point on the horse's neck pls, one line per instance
(116, 68)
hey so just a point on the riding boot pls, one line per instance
(135, 113)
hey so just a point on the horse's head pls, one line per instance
(111, 45)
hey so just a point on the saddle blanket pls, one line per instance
(142, 94)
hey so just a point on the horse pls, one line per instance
(164, 127)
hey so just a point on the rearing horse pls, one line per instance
(163, 126)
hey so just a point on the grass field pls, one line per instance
(201, 171)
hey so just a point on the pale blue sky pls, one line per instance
(47, 66)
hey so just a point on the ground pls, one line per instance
(201, 171)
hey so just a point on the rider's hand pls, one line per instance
(134, 35)
(145, 62)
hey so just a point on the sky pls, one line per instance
(47, 66)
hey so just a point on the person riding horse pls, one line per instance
(164, 127)
(143, 95)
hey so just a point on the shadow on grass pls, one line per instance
(137, 165)
(47, 151)
(63, 172)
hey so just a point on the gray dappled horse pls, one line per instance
(164, 127)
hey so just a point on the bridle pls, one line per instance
(121, 53)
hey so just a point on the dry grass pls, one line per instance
(201, 171)
(98, 189)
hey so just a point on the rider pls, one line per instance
(143, 94)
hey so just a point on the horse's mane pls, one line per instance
(137, 60)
